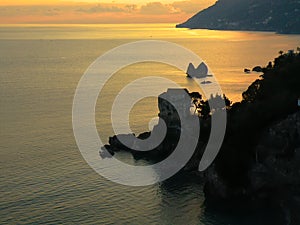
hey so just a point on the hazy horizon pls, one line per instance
(125, 11)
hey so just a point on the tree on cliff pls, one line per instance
(267, 100)
(196, 99)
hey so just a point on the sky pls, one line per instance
(99, 11)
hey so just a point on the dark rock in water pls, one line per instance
(169, 128)
(155, 155)
(258, 69)
(247, 71)
(116, 145)
(106, 152)
(200, 72)
(206, 82)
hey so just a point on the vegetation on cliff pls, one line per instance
(277, 15)
(267, 100)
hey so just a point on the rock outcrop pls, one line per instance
(273, 177)
(276, 169)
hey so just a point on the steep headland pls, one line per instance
(279, 16)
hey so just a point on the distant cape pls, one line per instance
(279, 16)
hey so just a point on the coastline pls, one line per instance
(179, 26)
(259, 159)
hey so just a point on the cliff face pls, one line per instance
(273, 177)
(256, 15)
(276, 166)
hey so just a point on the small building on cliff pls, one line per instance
(169, 112)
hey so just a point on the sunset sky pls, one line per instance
(104, 11)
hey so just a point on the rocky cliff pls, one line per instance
(273, 177)
(255, 15)
(259, 160)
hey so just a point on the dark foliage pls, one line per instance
(267, 100)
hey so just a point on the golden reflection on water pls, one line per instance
(122, 31)
(43, 178)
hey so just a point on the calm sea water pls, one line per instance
(44, 178)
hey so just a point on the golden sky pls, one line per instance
(99, 11)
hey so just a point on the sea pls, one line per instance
(45, 180)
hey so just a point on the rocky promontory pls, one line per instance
(277, 15)
(259, 161)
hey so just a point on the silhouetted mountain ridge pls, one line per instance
(282, 16)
